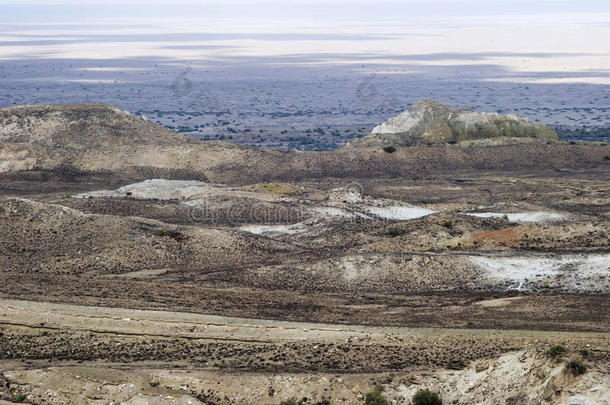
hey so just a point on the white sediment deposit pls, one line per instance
(399, 212)
(269, 230)
(572, 272)
(525, 217)
(155, 189)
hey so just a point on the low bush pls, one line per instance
(375, 398)
(20, 398)
(426, 397)
(169, 233)
(389, 149)
(394, 232)
(556, 351)
(577, 367)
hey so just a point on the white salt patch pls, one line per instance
(333, 212)
(524, 217)
(155, 189)
(399, 212)
(566, 272)
(273, 229)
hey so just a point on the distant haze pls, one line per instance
(568, 35)
(535, 58)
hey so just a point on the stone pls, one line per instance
(481, 366)
(577, 400)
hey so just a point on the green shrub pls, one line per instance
(556, 351)
(168, 232)
(577, 367)
(426, 397)
(389, 149)
(20, 398)
(375, 398)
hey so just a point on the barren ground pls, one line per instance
(254, 292)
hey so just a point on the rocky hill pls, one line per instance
(93, 136)
(70, 125)
(429, 122)
(47, 135)
(105, 141)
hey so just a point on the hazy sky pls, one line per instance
(518, 35)
(411, 10)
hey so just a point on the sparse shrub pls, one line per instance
(289, 402)
(556, 351)
(169, 233)
(577, 366)
(389, 149)
(20, 398)
(455, 365)
(426, 397)
(394, 232)
(375, 398)
(448, 224)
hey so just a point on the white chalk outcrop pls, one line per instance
(431, 122)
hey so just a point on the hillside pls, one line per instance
(96, 138)
(141, 266)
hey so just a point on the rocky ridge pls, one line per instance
(429, 122)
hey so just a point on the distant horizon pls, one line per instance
(569, 37)
(303, 63)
